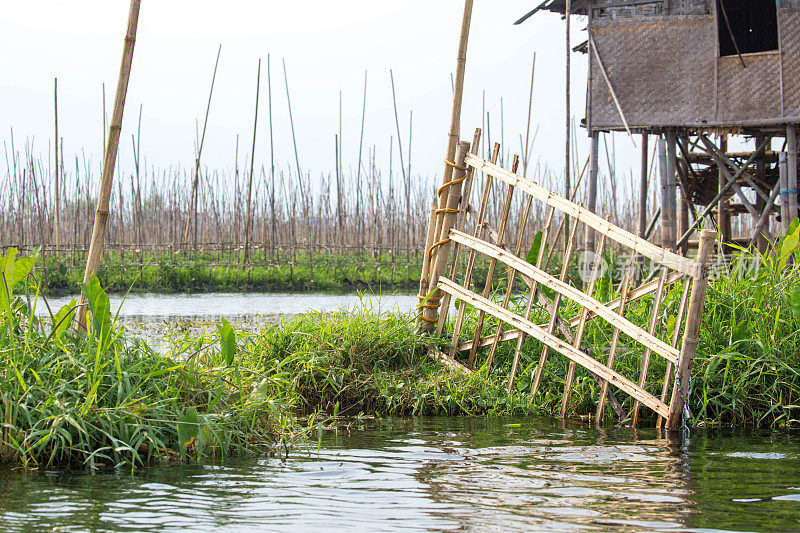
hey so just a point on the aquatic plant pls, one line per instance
(105, 397)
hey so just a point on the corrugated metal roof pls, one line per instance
(578, 7)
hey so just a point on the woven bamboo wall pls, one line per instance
(789, 20)
(662, 69)
(666, 72)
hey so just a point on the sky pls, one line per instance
(326, 46)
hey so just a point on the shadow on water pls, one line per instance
(442, 474)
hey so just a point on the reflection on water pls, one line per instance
(156, 307)
(441, 474)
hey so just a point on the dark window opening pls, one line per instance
(750, 25)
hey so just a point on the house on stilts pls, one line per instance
(692, 73)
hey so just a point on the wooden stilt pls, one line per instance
(668, 163)
(761, 174)
(791, 147)
(643, 187)
(723, 214)
(591, 200)
(783, 159)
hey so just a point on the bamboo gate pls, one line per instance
(514, 306)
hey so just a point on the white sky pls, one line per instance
(326, 45)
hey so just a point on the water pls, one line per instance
(163, 307)
(441, 474)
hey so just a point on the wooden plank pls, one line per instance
(637, 245)
(636, 333)
(539, 333)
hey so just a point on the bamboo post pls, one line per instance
(791, 147)
(461, 223)
(455, 119)
(247, 221)
(271, 161)
(106, 185)
(57, 184)
(690, 334)
(643, 187)
(687, 285)
(478, 232)
(430, 314)
(193, 196)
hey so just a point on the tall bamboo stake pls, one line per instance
(101, 214)
(452, 141)
(271, 155)
(567, 186)
(294, 139)
(252, 161)
(55, 152)
(193, 206)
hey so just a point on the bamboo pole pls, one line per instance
(455, 119)
(106, 185)
(645, 363)
(528, 126)
(193, 196)
(690, 334)
(57, 184)
(430, 314)
(271, 159)
(294, 139)
(478, 232)
(247, 221)
(487, 288)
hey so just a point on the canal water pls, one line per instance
(440, 474)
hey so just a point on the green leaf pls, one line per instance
(788, 246)
(533, 254)
(100, 308)
(794, 304)
(188, 427)
(671, 323)
(20, 270)
(61, 321)
(227, 341)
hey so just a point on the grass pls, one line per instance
(200, 271)
(106, 398)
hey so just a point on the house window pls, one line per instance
(749, 25)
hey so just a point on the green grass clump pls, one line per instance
(104, 397)
(363, 361)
